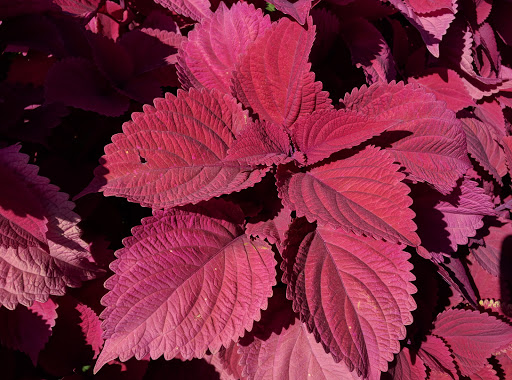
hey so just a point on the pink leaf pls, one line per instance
(293, 354)
(437, 356)
(91, 328)
(273, 78)
(28, 329)
(473, 337)
(407, 368)
(227, 362)
(435, 152)
(299, 9)
(274, 230)
(448, 221)
(42, 251)
(363, 194)
(431, 25)
(210, 55)
(325, 132)
(175, 152)
(261, 143)
(354, 292)
(447, 85)
(197, 10)
(483, 146)
(492, 254)
(187, 281)
(76, 82)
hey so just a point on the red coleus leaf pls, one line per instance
(448, 86)
(408, 368)
(473, 337)
(436, 151)
(91, 328)
(483, 146)
(293, 354)
(187, 281)
(195, 9)
(354, 293)
(40, 243)
(448, 221)
(176, 152)
(209, 56)
(261, 143)
(363, 194)
(227, 362)
(431, 18)
(273, 77)
(437, 356)
(299, 9)
(28, 329)
(491, 255)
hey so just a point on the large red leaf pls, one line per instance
(175, 152)
(187, 281)
(209, 56)
(273, 77)
(354, 292)
(293, 354)
(436, 151)
(40, 246)
(363, 194)
(473, 337)
(195, 9)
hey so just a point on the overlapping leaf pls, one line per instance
(408, 368)
(473, 337)
(293, 354)
(41, 251)
(273, 77)
(483, 146)
(299, 10)
(437, 356)
(362, 193)
(354, 292)
(448, 221)
(209, 56)
(436, 151)
(187, 281)
(175, 152)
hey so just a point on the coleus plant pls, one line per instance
(292, 235)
